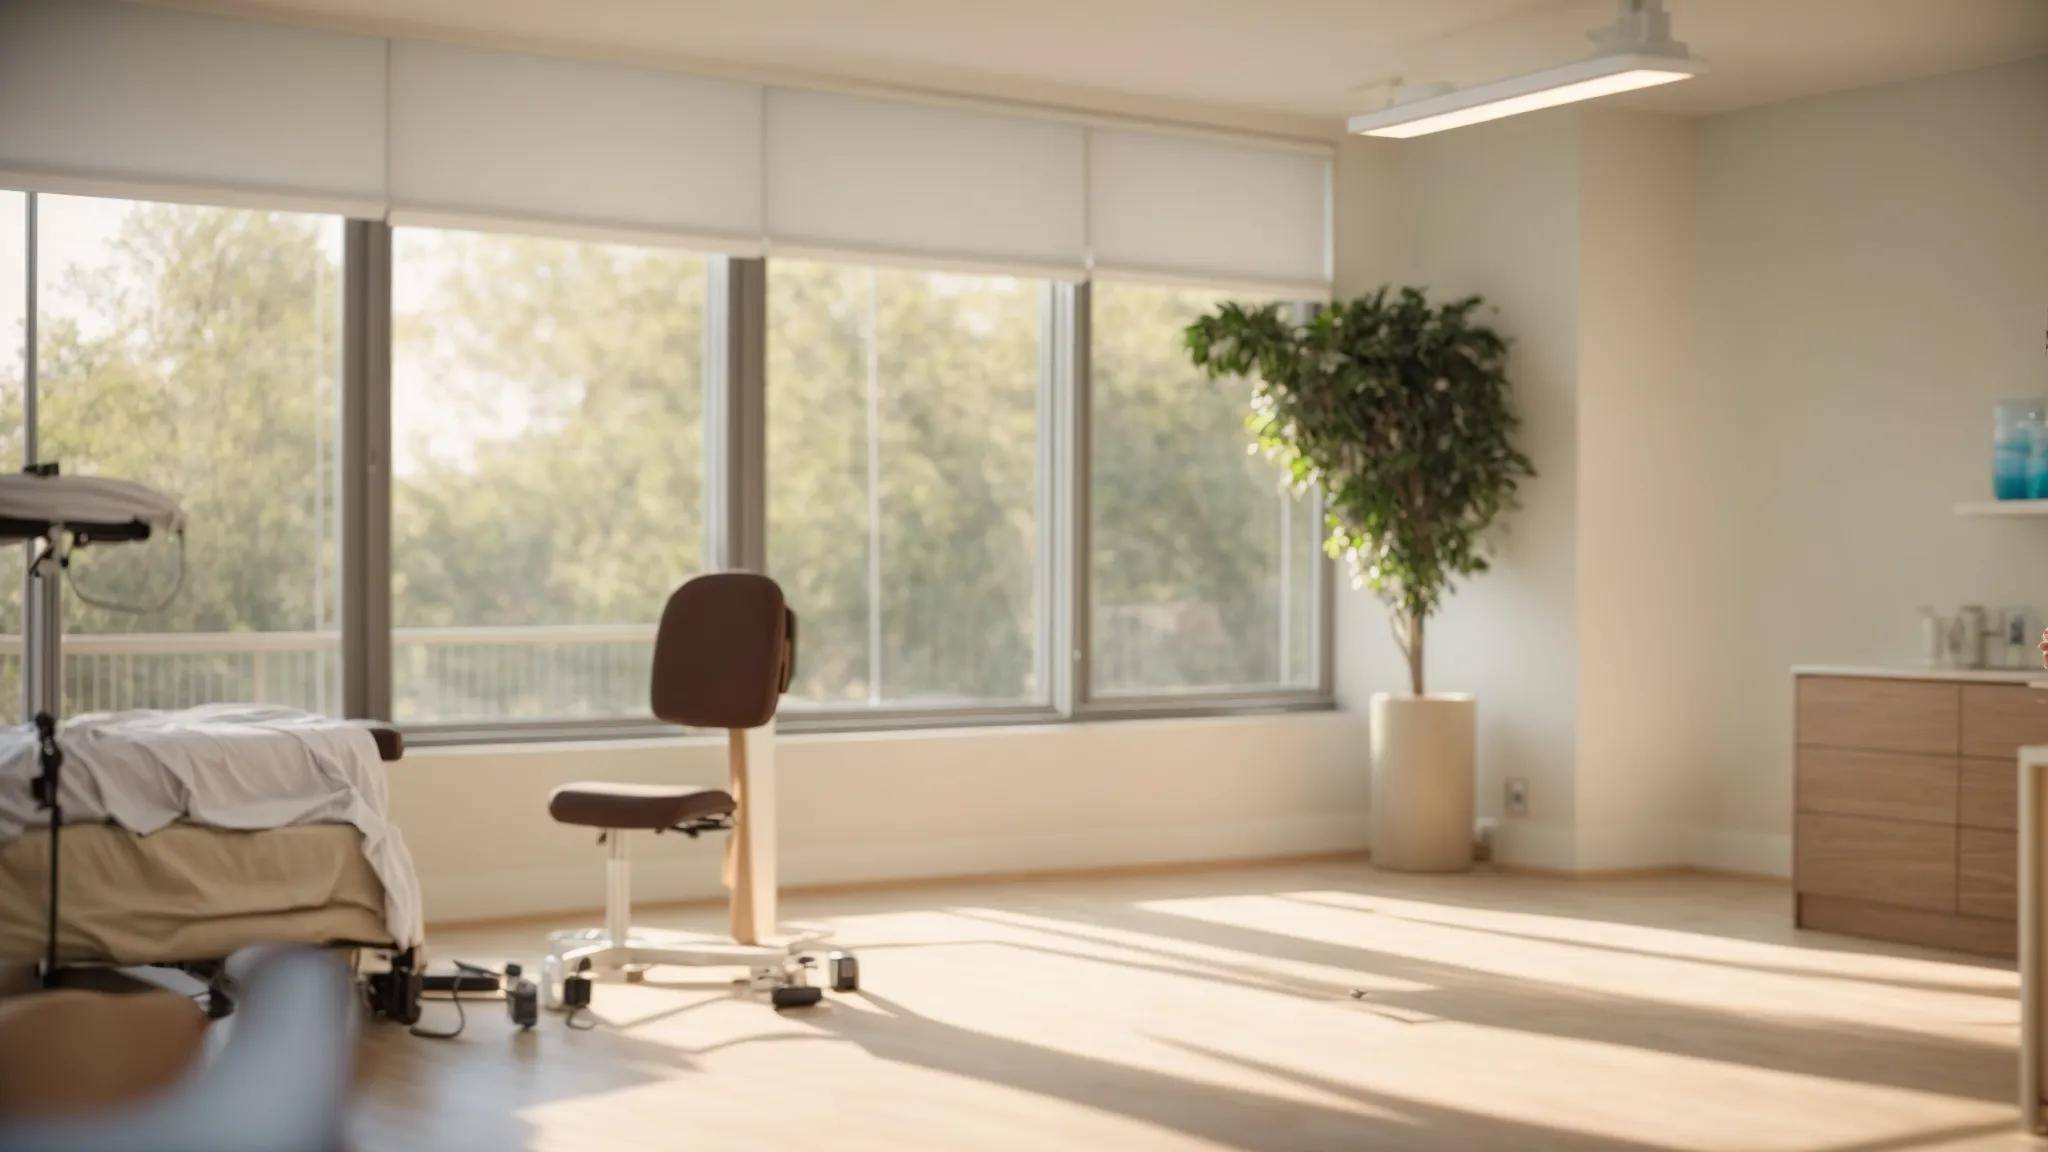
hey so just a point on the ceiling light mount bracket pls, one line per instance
(1643, 26)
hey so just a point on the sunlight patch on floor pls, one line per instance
(1182, 1013)
(1276, 973)
(1558, 958)
(1947, 972)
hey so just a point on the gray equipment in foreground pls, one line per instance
(279, 1084)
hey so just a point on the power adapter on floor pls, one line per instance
(577, 989)
(522, 998)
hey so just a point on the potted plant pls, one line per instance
(1399, 411)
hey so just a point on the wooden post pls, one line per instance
(750, 850)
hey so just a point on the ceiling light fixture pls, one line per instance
(1636, 51)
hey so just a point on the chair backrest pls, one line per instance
(724, 653)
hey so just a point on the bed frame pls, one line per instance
(390, 977)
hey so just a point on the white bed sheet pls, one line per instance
(240, 766)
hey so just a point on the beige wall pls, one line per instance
(1872, 273)
(1652, 440)
(1493, 210)
(1755, 354)
(886, 806)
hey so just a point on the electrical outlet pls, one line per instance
(1516, 798)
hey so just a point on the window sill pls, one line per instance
(804, 726)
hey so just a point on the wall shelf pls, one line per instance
(2002, 508)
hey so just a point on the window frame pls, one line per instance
(52, 669)
(1199, 702)
(1053, 370)
(735, 515)
(733, 533)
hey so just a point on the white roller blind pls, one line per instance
(858, 175)
(500, 139)
(1201, 209)
(120, 99)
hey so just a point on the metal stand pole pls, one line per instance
(45, 666)
(46, 795)
(618, 889)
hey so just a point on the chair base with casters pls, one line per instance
(779, 966)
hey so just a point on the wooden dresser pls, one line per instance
(1906, 806)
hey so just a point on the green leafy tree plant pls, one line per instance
(1399, 410)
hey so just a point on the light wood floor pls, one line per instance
(1214, 1011)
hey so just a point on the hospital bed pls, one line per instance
(187, 894)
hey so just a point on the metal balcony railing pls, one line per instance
(439, 673)
(559, 672)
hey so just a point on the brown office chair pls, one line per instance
(723, 656)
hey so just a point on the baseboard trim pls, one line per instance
(1642, 872)
(1089, 872)
(1775, 878)
(1080, 873)
(964, 879)
(1743, 851)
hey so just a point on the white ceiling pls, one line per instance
(1286, 65)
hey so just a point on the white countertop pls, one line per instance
(1901, 672)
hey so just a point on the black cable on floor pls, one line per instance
(461, 1018)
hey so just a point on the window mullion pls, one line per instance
(874, 493)
(736, 416)
(1285, 606)
(366, 472)
(718, 384)
(41, 671)
(1325, 600)
(28, 353)
(1071, 522)
(1049, 671)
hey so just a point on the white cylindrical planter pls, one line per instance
(1422, 782)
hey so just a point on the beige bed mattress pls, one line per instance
(187, 892)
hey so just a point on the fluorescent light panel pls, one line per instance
(1567, 84)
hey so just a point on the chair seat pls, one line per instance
(635, 806)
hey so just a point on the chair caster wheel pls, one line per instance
(796, 996)
(845, 972)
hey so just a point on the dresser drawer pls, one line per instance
(1896, 862)
(1878, 715)
(1988, 873)
(1999, 718)
(1885, 784)
(1988, 794)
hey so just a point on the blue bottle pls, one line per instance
(2037, 461)
(2015, 425)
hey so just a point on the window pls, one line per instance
(550, 436)
(903, 483)
(1203, 568)
(13, 371)
(197, 350)
(547, 470)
